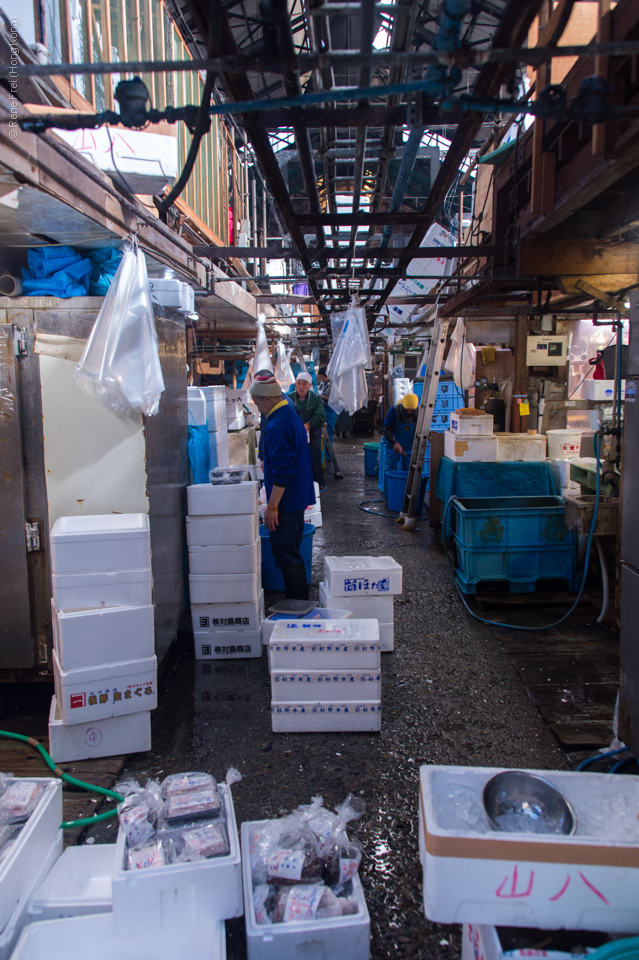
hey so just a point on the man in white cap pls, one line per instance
(288, 478)
(310, 407)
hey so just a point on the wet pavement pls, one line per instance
(449, 696)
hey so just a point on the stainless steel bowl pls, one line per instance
(520, 802)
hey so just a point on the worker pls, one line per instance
(288, 479)
(399, 432)
(289, 400)
(311, 409)
(324, 391)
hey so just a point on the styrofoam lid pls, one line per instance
(347, 564)
(101, 526)
(342, 630)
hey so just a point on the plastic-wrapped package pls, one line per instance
(310, 902)
(262, 359)
(120, 365)
(209, 840)
(193, 782)
(5, 778)
(233, 775)
(146, 855)
(202, 804)
(263, 840)
(283, 372)
(135, 816)
(19, 800)
(295, 859)
(264, 902)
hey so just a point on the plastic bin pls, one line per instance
(563, 444)
(97, 738)
(78, 884)
(106, 542)
(371, 459)
(520, 539)
(396, 490)
(272, 578)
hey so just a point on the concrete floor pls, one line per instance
(449, 696)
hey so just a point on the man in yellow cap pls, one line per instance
(399, 433)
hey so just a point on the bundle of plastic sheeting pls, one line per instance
(352, 354)
(461, 357)
(283, 372)
(262, 359)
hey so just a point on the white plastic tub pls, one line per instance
(564, 444)
(311, 686)
(213, 617)
(78, 884)
(107, 542)
(184, 894)
(343, 645)
(219, 531)
(89, 638)
(602, 390)
(362, 608)
(317, 613)
(20, 917)
(227, 644)
(470, 449)
(85, 591)
(222, 588)
(588, 881)
(326, 717)
(520, 447)
(204, 561)
(22, 863)
(97, 738)
(114, 690)
(205, 499)
(479, 425)
(362, 576)
(341, 938)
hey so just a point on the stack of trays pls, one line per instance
(366, 586)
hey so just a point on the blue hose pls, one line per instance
(618, 950)
(621, 764)
(600, 756)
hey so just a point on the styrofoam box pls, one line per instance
(304, 686)
(20, 916)
(112, 690)
(470, 449)
(343, 938)
(215, 407)
(107, 542)
(362, 608)
(326, 717)
(234, 408)
(325, 645)
(97, 738)
(362, 576)
(196, 406)
(560, 470)
(220, 531)
(602, 390)
(79, 883)
(317, 613)
(85, 591)
(237, 423)
(187, 893)
(95, 936)
(89, 638)
(588, 881)
(213, 617)
(204, 499)
(218, 588)
(227, 644)
(386, 637)
(314, 517)
(234, 395)
(205, 561)
(23, 860)
(482, 942)
(520, 447)
(477, 426)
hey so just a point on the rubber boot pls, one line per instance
(295, 583)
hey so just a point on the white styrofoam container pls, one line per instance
(386, 637)
(107, 542)
(111, 690)
(220, 588)
(234, 395)
(326, 717)
(79, 883)
(343, 938)
(317, 613)
(213, 617)
(227, 644)
(477, 426)
(362, 608)
(345, 644)
(95, 937)
(215, 407)
(204, 561)
(237, 423)
(602, 390)
(22, 862)
(572, 490)
(470, 449)
(172, 293)
(482, 942)
(204, 499)
(20, 916)
(89, 638)
(85, 591)
(588, 881)
(220, 531)
(311, 686)
(186, 893)
(520, 447)
(196, 406)
(560, 470)
(234, 408)
(219, 448)
(97, 738)
(362, 576)
(313, 516)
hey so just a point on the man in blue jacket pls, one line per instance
(288, 478)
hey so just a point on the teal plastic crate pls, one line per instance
(519, 539)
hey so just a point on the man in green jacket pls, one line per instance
(310, 407)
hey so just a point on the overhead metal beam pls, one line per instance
(362, 217)
(336, 253)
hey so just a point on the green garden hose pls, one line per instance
(85, 821)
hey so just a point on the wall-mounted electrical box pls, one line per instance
(543, 351)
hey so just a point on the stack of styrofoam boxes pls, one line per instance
(401, 386)
(584, 881)
(225, 570)
(366, 586)
(28, 860)
(325, 676)
(470, 438)
(104, 666)
(235, 400)
(560, 470)
(317, 613)
(216, 418)
(313, 514)
(197, 406)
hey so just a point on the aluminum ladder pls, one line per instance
(409, 515)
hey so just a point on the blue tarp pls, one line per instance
(105, 263)
(61, 271)
(492, 480)
(199, 453)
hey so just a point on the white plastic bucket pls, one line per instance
(563, 444)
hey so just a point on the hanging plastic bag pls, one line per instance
(283, 372)
(262, 359)
(352, 348)
(349, 391)
(120, 365)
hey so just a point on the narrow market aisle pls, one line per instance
(449, 695)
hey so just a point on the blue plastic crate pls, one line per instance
(440, 422)
(520, 539)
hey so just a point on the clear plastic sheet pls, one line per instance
(120, 365)
(349, 392)
(283, 372)
(262, 359)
